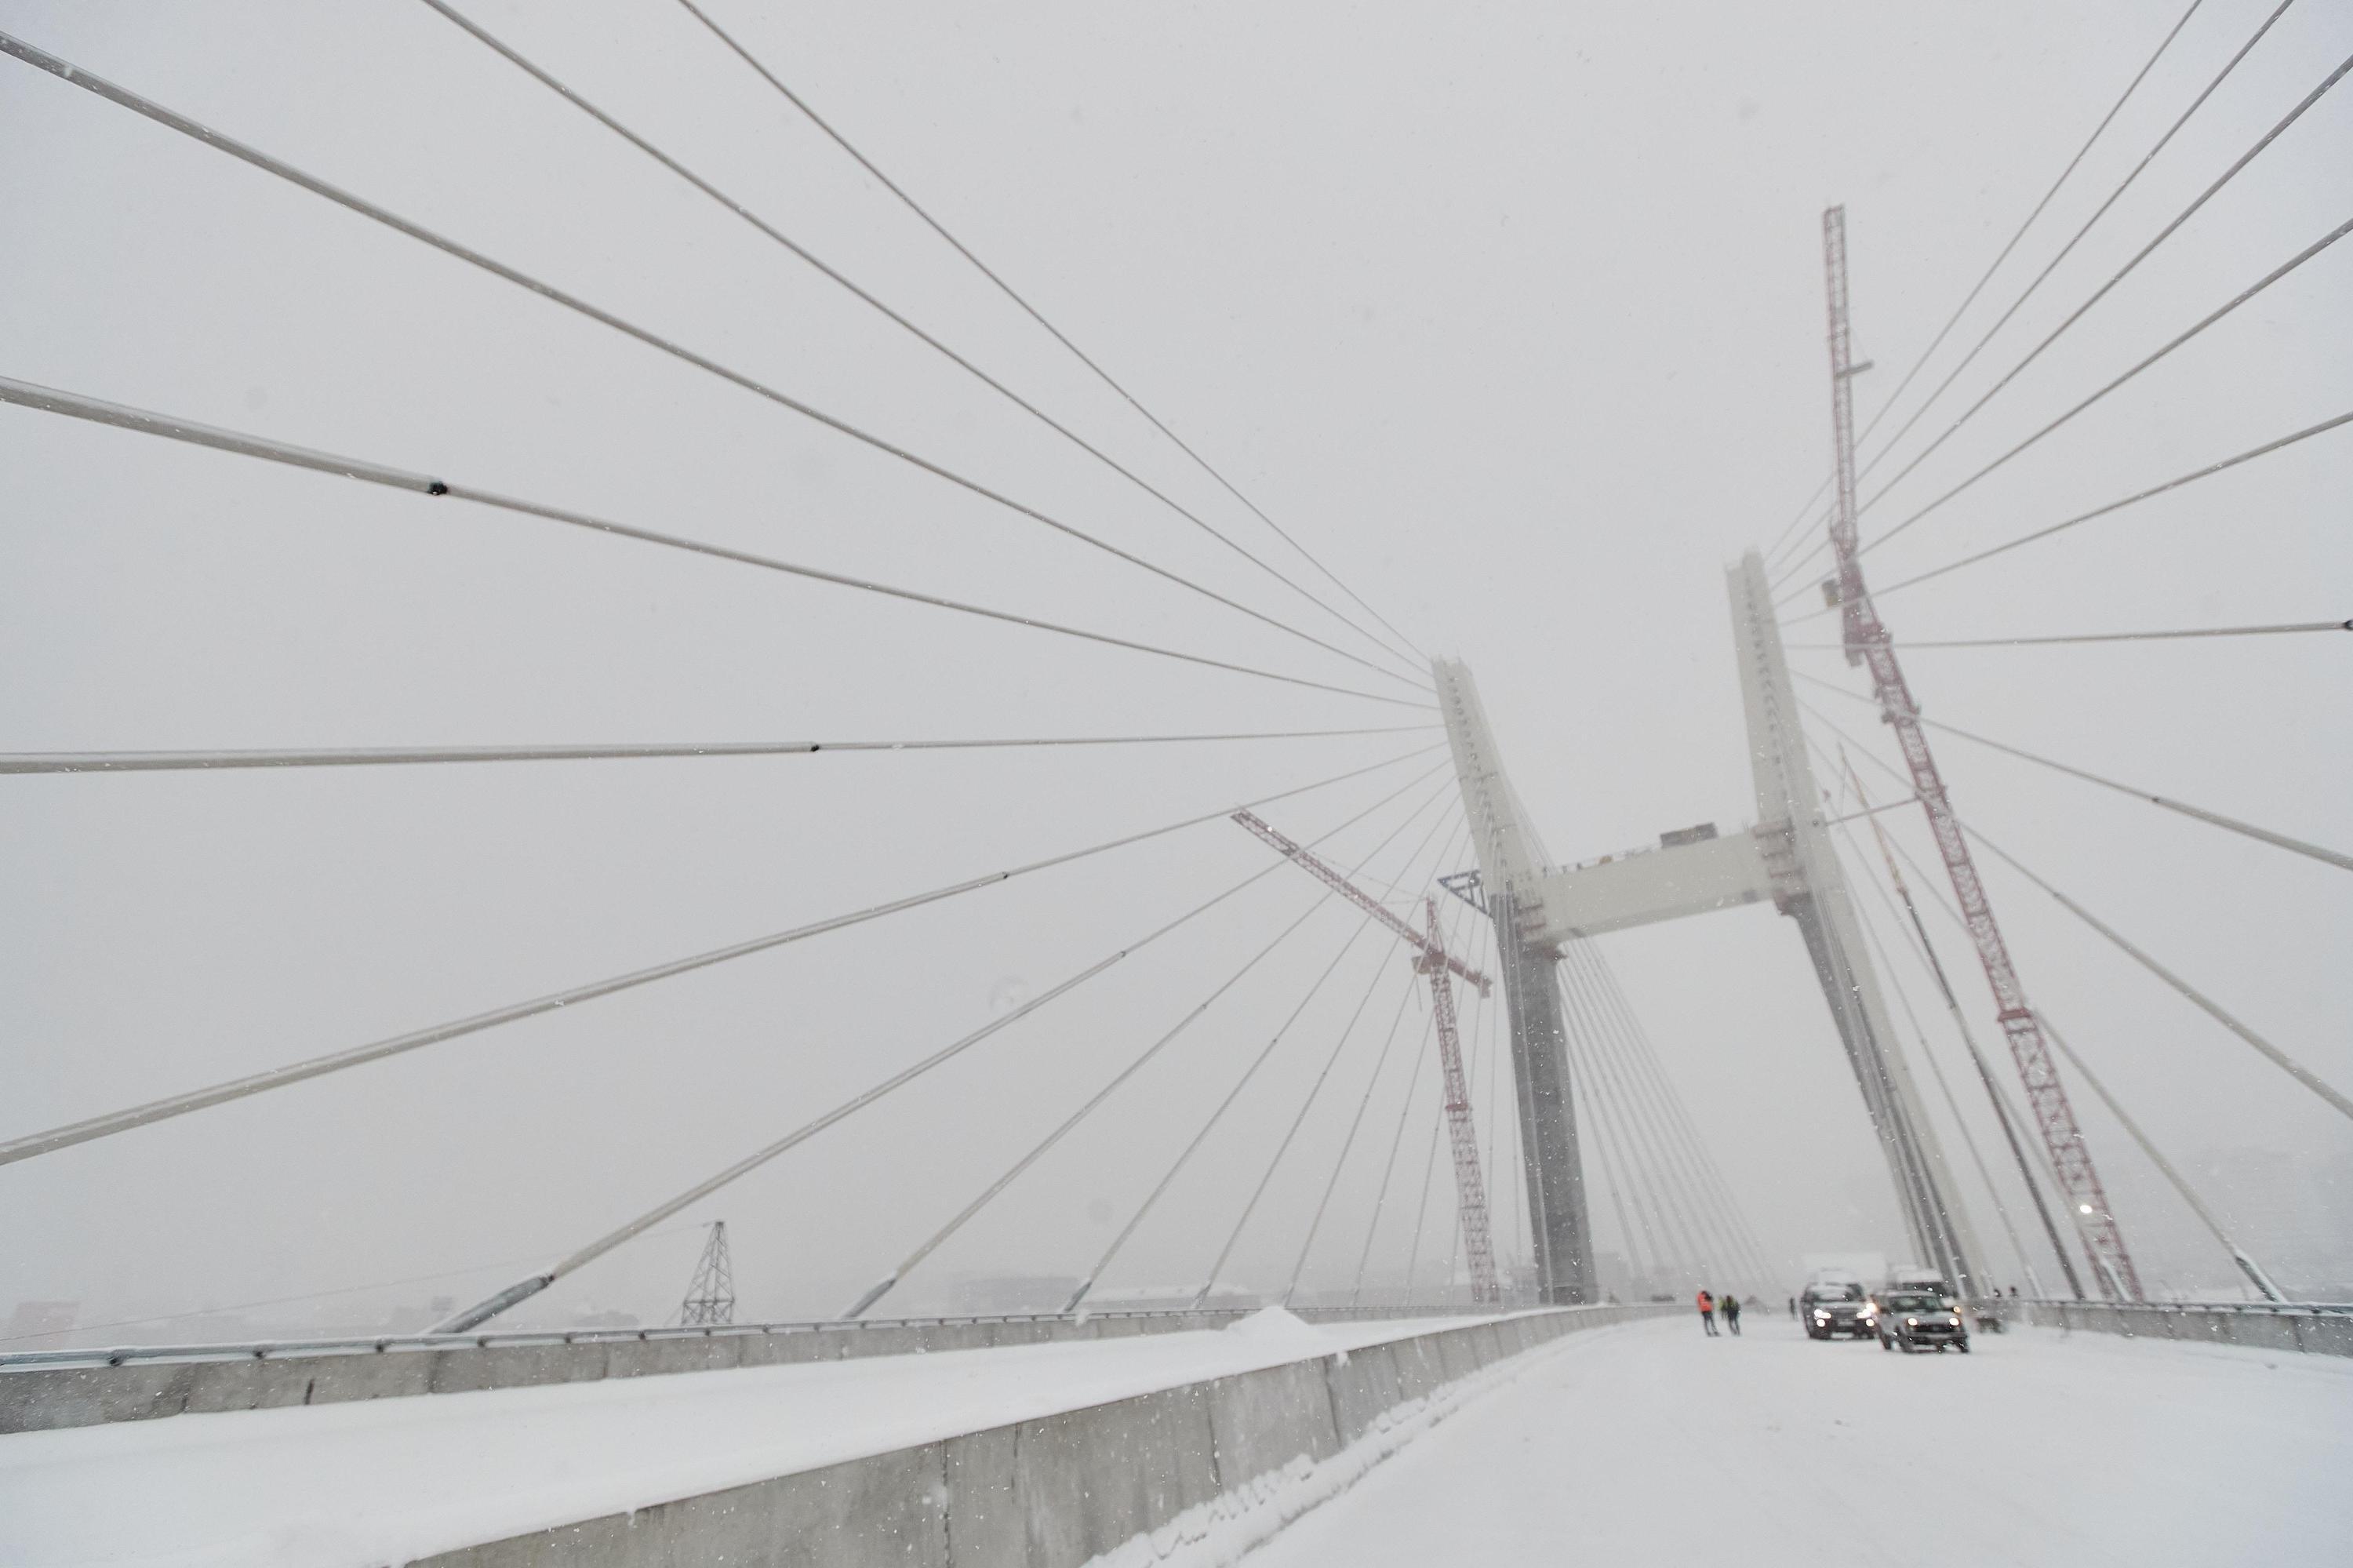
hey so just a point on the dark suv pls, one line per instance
(1912, 1320)
(1830, 1309)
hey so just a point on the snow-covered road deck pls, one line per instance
(1651, 1443)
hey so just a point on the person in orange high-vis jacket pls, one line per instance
(1707, 1312)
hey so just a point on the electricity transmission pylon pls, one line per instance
(711, 1294)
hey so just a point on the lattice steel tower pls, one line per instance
(1868, 643)
(711, 1295)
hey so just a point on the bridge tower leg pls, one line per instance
(1807, 883)
(1509, 857)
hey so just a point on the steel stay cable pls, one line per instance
(1920, 1037)
(1716, 1193)
(2119, 276)
(1789, 534)
(74, 76)
(1916, 935)
(2165, 1167)
(1611, 1082)
(1646, 1058)
(530, 1286)
(2265, 450)
(1380, 1064)
(1200, 1137)
(83, 1131)
(1339, 1046)
(2102, 636)
(1396, 1142)
(2306, 254)
(1428, 1174)
(2274, 276)
(1007, 289)
(2277, 1058)
(1666, 1229)
(2271, 1053)
(546, 79)
(74, 405)
(938, 1238)
(2012, 1118)
(2006, 1114)
(1613, 1179)
(2198, 813)
(1680, 1179)
(1651, 1098)
(40, 762)
(2138, 257)
(1038, 1151)
(1989, 336)
(2099, 1089)
(1183, 1158)
(1986, 277)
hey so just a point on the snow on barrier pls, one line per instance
(2320, 1328)
(1193, 1473)
(42, 1390)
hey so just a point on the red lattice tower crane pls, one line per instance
(1431, 959)
(1869, 643)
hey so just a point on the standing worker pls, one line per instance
(1707, 1312)
(1732, 1314)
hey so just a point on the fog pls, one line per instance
(1513, 316)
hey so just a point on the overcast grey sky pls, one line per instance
(1512, 313)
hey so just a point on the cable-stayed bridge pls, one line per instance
(1372, 1137)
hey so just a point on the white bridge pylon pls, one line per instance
(1787, 857)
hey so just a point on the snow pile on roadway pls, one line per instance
(1218, 1533)
(1275, 1327)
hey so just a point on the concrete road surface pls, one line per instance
(1652, 1443)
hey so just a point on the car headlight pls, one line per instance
(1911, 1322)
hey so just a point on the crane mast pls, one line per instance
(1470, 1187)
(1868, 643)
(1430, 959)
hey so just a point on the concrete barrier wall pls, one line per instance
(1050, 1493)
(87, 1388)
(2319, 1330)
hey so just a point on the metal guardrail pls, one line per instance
(381, 1344)
(2318, 1328)
(2243, 1309)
